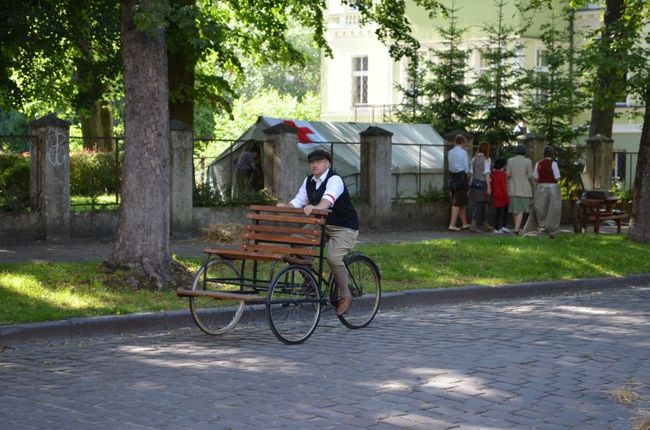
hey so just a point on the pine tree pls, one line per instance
(497, 83)
(450, 104)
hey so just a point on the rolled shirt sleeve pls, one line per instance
(301, 200)
(332, 192)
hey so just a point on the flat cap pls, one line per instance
(319, 154)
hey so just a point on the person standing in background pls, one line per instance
(480, 187)
(500, 198)
(520, 171)
(458, 183)
(547, 204)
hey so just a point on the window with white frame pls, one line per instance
(541, 59)
(359, 80)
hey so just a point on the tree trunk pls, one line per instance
(182, 60)
(97, 128)
(640, 218)
(142, 241)
(602, 117)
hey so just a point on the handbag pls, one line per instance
(478, 184)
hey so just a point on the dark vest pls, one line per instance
(343, 213)
(545, 172)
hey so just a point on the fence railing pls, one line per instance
(416, 175)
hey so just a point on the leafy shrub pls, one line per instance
(93, 174)
(206, 196)
(14, 182)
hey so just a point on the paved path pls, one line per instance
(545, 363)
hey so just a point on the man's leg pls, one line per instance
(341, 241)
(455, 211)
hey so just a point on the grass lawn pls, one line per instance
(32, 292)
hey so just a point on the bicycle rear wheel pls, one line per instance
(293, 305)
(365, 286)
(219, 275)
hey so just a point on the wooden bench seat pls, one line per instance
(276, 233)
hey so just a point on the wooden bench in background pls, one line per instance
(594, 211)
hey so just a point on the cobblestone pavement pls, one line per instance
(546, 362)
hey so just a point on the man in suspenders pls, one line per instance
(325, 189)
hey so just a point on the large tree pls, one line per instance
(617, 57)
(142, 241)
(639, 84)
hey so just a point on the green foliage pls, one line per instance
(430, 194)
(450, 105)
(552, 100)
(497, 84)
(93, 174)
(14, 182)
(206, 196)
(60, 56)
(245, 111)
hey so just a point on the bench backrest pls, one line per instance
(283, 230)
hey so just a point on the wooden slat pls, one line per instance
(283, 218)
(262, 208)
(238, 254)
(294, 240)
(283, 230)
(220, 295)
(282, 249)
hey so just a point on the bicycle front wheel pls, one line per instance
(218, 275)
(293, 305)
(365, 286)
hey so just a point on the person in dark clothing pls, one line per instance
(325, 189)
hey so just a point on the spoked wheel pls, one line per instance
(221, 275)
(293, 305)
(365, 286)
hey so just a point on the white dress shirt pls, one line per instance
(333, 190)
(458, 160)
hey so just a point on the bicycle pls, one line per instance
(296, 294)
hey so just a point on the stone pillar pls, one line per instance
(376, 178)
(600, 159)
(182, 178)
(50, 175)
(534, 144)
(280, 161)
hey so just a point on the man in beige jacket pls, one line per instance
(520, 171)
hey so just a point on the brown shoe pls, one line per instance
(344, 305)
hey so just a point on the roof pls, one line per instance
(413, 144)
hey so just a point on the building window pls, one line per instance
(542, 59)
(359, 81)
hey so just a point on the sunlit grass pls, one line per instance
(50, 291)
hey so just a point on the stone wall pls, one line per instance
(16, 228)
